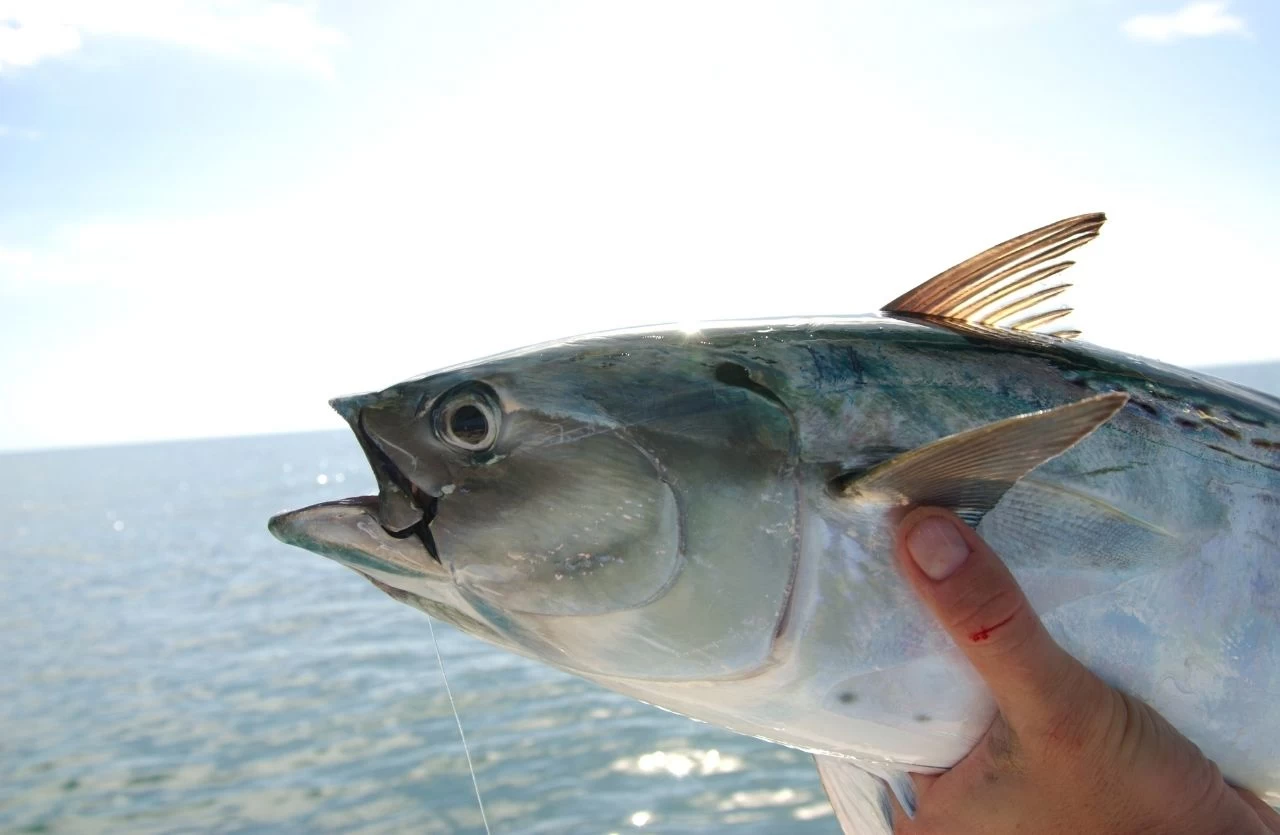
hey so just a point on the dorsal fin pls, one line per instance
(992, 287)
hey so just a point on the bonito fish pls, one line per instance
(703, 520)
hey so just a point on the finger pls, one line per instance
(976, 599)
(1270, 817)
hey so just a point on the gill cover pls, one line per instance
(577, 526)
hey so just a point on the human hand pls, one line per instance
(1066, 753)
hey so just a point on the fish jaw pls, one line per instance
(348, 532)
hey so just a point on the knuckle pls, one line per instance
(1128, 729)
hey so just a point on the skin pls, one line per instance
(1066, 753)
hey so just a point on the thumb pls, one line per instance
(976, 599)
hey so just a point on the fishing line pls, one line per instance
(474, 783)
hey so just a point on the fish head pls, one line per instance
(536, 501)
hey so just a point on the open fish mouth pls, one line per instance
(389, 533)
(403, 508)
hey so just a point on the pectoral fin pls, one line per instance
(970, 471)
(860, 800)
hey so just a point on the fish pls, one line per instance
(701, 518)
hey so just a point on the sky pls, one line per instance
(217, 214)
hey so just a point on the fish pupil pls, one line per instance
(468, 424)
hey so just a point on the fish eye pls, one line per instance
(467, 419)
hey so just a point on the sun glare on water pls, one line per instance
(679, 763)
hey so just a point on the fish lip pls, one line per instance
(347, 531)
(281, 525)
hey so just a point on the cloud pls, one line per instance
(32, 31)
(1195, 20)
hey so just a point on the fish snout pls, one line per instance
(350, 532)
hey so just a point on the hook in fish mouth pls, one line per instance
(422, 528)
